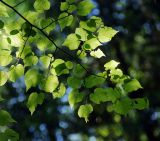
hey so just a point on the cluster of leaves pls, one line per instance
(43, 70)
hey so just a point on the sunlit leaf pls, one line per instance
(84, 111)
(85, 7)
(61, 91)
(16, 72)
(65, 20)
(97, 54)
(50, 83)
(5, 60)
(33, 100)
(32, 78)
(132, 85)
(42, 5)
(64, 6)
(72, 42)
(3, 78)
(111, 65)
(75, 97)
(105, 34)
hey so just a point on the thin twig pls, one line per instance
(19, 3)
(53, 21)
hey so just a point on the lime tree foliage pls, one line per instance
(28, 51)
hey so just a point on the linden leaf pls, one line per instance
(16, 72)
(75, 97)
(85, 7)
(97, 54)
(3, 78)
(61, 91)
(50, 83)
(132, 85)
(5, 118)
(40, 5)
(31, 78)
(72, 42)
(92, 81)
(105, 34)
(84, 111)
(74, 82)
(45, 61)
(111, 65)
(33, 100)
(65, 20)
(123, 106)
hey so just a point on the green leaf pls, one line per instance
(104, 95)
(93, 43)
(50, 83)
(75, 97)
(72, 42)
(140, 103)
(14, 32)
(33, 100)
(45, 61)
(61, 91)
(5, 60)
(92, 25)
(78, 71)
(69, 64)
(5, 118)
(16, 72)
(71, 8)
(9, 135)
(42, 5)
(3, 78)
(74, 82)
(23, 52)
(97, 54)
(1, 99)
(31, 60)
(64, 6)
(105, 34)
(85, 7)
(82, 33)
(93, 80)
(132, 85)
(1, 24)
(65, 20)
(84, 111)
(111, 65)
(123, 106)
(32, 78)
(9, 40)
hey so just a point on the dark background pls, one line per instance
(137, 47)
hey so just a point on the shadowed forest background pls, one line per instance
(136, 46)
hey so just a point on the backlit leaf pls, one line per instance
(84, 111)
(16, 72)
(3, 78)
(72, 42)
(85, 7)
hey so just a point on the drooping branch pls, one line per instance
(47, 36)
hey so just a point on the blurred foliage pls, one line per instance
(136, 47)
